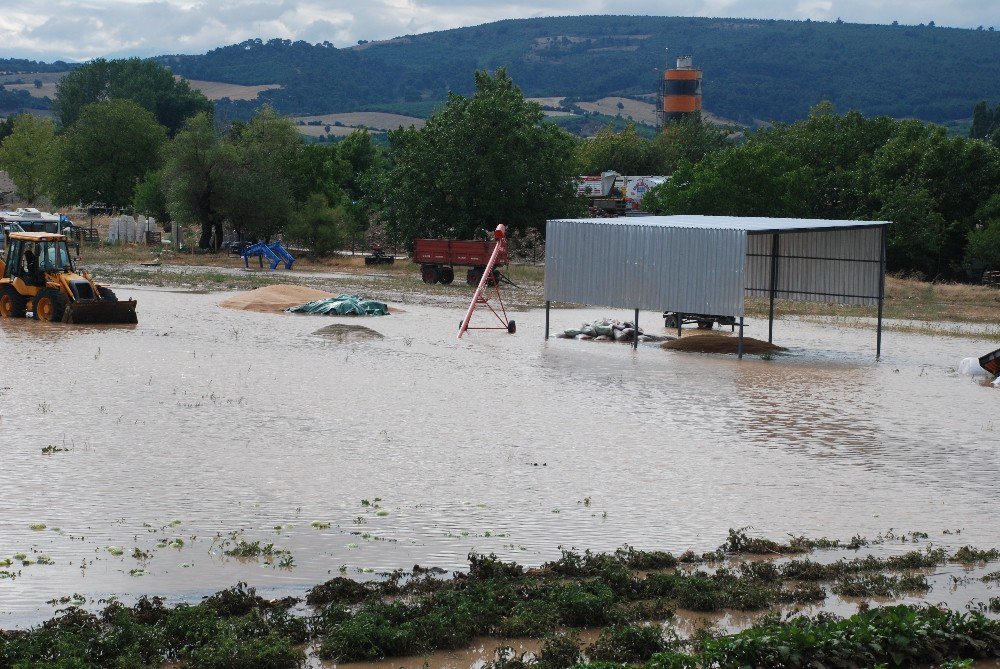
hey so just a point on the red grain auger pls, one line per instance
(491, 280)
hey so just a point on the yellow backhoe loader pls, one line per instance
(37, 275)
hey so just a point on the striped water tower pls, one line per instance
(680, 92)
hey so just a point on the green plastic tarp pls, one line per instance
(342, 305)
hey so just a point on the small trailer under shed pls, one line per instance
(709, 264)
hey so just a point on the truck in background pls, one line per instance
(612, 194)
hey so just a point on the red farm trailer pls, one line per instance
(438, 258)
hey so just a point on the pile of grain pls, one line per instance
(342, 333)
(720, 344)
(274, 299)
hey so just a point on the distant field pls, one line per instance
(640, 112)
(27, 79)
(351, 120)
(213, 90)
(547, 102)
(216, 90)
(48, 89)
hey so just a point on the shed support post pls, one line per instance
(547, 305)
(881, 294)
(680, 321)
(635, 338)
(739, 347)
(774, 283)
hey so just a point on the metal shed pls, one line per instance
(709, 264)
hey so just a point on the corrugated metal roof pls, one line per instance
(707, 264)
(751, 224)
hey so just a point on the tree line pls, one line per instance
(488, 158)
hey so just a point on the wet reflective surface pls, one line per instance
(213, 426)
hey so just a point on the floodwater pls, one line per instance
(211, 426)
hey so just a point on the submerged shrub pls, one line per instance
(627, 643)
(559, 651)
(339, 589)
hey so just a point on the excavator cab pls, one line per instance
(37, 275)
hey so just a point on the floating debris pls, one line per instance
(608, 329)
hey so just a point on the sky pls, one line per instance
(78, 30)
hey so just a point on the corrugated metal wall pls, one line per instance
(645, 266)
(839, 266)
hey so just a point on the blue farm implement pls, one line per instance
(275, 254)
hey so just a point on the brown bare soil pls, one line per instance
(47, 89)
(216, 90)
(547, 102)
(274, 299)
(640, 112)
(373, 120)
(719, 344)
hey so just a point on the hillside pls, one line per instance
(754, 69)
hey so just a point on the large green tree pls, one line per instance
(147, 83)
(261, 191)
(689, 139)
(196, 165)
(27, 155)
(106, 153)
(755, 180)
(479, 161)
(624, 152)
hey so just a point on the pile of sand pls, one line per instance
(719, 344)
(274, 299)
(348, 332)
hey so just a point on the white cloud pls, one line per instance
(82, 29)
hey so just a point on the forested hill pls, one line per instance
(754, 69)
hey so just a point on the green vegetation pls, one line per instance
(754, 69)
(985, 123)
(26, 153)
(262, 178)
(480, 161)
(935, 189)
(144, 82)
(628, 152)
(102, 156)
(630, 594)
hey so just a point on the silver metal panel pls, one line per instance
(839, 266)
(642, 264)
(705, 264)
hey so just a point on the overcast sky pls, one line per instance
(83, 29)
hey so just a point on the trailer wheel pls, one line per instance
(670, 321)
(705, 324)
(430, 274)
(511, 327)
(473, 276)
(447, 275)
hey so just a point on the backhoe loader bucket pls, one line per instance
(121, 311)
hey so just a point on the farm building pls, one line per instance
(710, 264)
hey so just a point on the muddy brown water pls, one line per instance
(202, 421)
